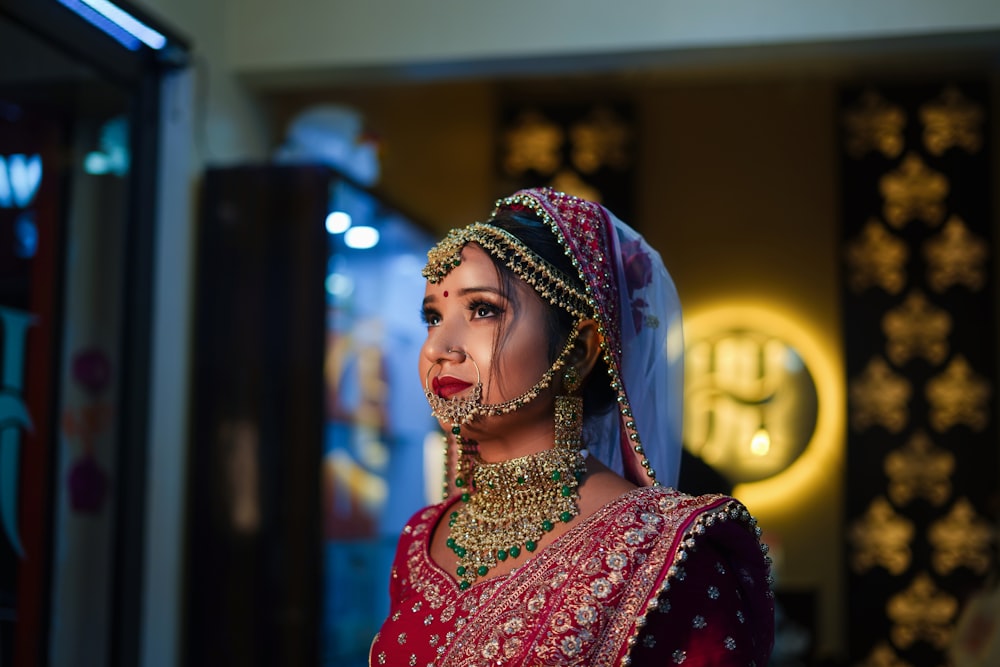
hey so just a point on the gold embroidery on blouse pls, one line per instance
(952, 121)
(956, 256)
(914, 191)
(959, 396)
(921, 612)
(919, 469)
(881, 538)
(961, 539)
(879, 396)
(874, 124)
(876, 258)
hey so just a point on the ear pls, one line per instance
(587, 349)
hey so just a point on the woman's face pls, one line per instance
(464, 313)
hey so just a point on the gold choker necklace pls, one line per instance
(511, 505)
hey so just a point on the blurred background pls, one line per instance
(212, 219)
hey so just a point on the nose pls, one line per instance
(441, 346)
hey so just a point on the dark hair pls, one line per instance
(598, 397)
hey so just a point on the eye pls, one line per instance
(430, 317)
(483, 309)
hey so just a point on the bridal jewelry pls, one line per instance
(512, 504)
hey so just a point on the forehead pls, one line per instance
(476, 265)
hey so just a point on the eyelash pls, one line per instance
(493, 309)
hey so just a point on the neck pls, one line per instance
(512, 443)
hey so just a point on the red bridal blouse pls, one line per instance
(655, 577)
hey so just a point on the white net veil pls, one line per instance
(652, 363)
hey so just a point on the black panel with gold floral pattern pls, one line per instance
(921, 353)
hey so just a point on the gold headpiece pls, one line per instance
(551, 284)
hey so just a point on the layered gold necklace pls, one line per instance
(513, 504)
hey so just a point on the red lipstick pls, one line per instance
(447, 386)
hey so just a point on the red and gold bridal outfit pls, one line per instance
(654, 577)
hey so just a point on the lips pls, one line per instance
(446, 386)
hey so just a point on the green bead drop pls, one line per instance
(501, 554)
(530, 545)
(514, 552)
(460, 571)
(566, 492)
(556, 475)
(482, 570)
(464, 585)
(456, 430)
(565, 517)
(547, 525)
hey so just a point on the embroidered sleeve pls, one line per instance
(718, 610)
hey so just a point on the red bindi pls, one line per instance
(446, 294)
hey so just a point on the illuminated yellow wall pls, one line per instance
(738, 191)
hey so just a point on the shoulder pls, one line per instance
(684, 529)
(694, 514)
(421, 524)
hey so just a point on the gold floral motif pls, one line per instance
(956, 257)
(961, 539)
(883, 655)
(916, 328)
(959, 396)
(601, 140)
(952, 120)
(533, 143)
(881, 538)
(919, 468)
(876, 257)
(913, 191)
(879, 396)
(874, 124)
(921, 612)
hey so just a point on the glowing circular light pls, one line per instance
(338, 222)
(817, 351)
(361, 238)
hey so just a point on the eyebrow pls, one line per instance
(465, 291)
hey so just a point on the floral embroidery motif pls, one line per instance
(638, 274)
(698, 622)
(729, 643)
(586, 615)
(601, 589)
(679, 656)
(649, 641)
(713, 592)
